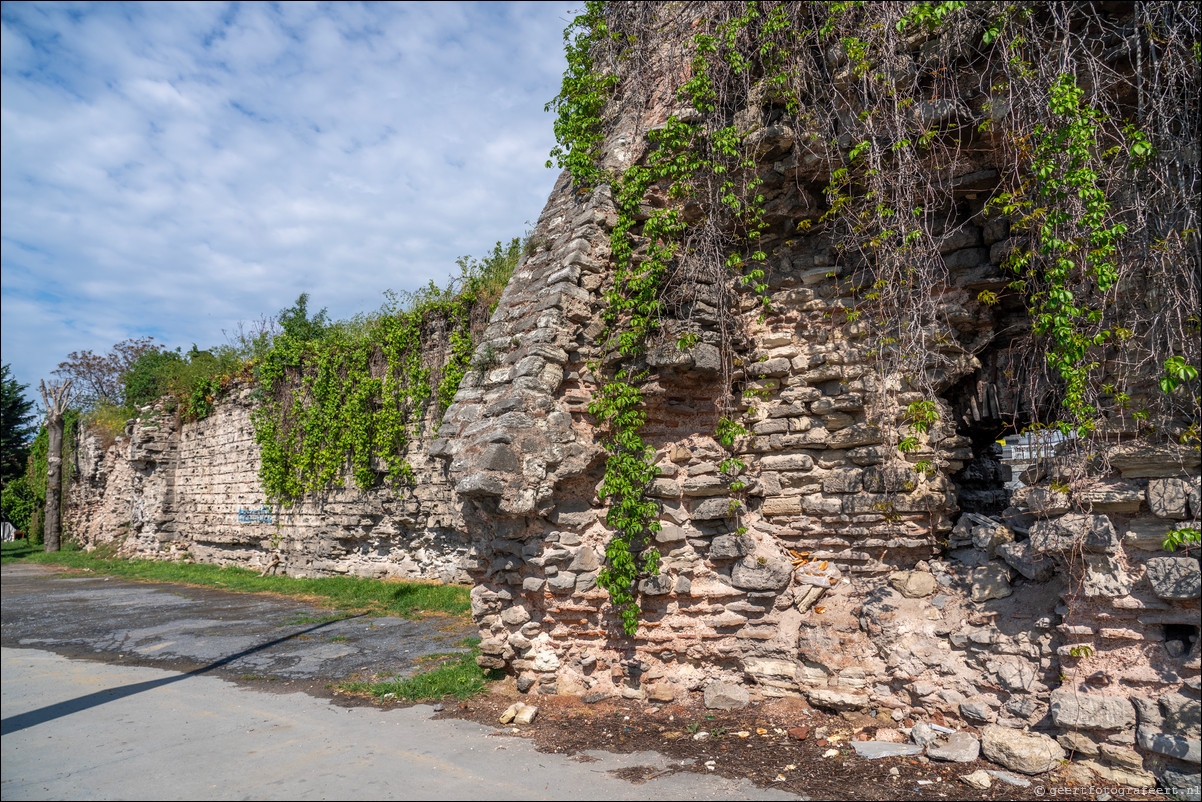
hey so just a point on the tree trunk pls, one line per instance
(56, 397)
(54, 482)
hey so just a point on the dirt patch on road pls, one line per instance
(783, 744)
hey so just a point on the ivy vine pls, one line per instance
(872, 97)
(345, 400)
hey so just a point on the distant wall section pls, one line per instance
(175, 490)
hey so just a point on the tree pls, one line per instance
(100, 378)
(56, 398)
(16, 427)
(149, 377)
(297, 324)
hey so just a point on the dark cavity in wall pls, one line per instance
(1179, 639)
(980, 417)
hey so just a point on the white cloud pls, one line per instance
(171, 169)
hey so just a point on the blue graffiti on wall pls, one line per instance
(263, 515)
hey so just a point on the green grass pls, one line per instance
(404, 599)
(12, 552)
(456, 675)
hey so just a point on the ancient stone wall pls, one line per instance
(918, 593)
(844, 572)
(172, 490)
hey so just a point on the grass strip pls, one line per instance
(403, 599)
(456, 675)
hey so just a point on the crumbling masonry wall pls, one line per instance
(932, 593)
(169, 490)
(922, 596)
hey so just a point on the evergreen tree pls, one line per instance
(16, 427)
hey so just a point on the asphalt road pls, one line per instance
(115, 690)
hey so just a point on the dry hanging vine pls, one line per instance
(1077, 122)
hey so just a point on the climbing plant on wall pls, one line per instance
(345, 399)
(886, 106)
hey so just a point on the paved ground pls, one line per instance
(115, 690)
(202, 630)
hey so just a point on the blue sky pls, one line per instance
(172, 169)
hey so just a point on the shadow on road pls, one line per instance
(60, 709)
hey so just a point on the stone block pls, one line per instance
(706, 358)
(1079, 708)
(1111, 775)
(1146, 534)
(585, 559)
(977, 708)
(1187, 749)
(769, 368)
(861, 434)
(889, 478)
(870, 455)
(659, 585)
(1147, 460)
(922, 734)
(709, 485)
(1078, 744)
(480, 485)
(1181, 715)
(731, 547)
(771, 426)
(1169, 498)
(714, 509)
(670, 533)
(664, 488)
(961, 747)
(1043, 501)
(836, 699)
(766, 670)
(1022, 558)
(796, 410)
(1121, 756)
(492, 646)
(819, 504)
(989, 537)
(661, 692)
(1175, 577)
(545, 660)
(1104, 577)
(1024, 752)
(726, 696)
(990, 582)
(515, 616)
(841, 481)
(761, 573)
(783, 505)
(913, 584)
(1089, 532)
(574, 515)
(1014, 674)
(787, 462)
(1111, 496)
(562, 582)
